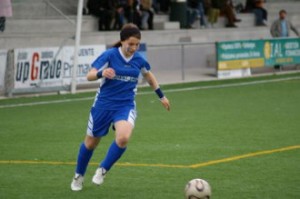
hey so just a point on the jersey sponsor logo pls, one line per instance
(126, 78)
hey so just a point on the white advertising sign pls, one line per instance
(243, 72)
(48, 67)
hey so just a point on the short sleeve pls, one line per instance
(145, 67)
(101, 61)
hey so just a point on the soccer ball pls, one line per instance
(197, 189)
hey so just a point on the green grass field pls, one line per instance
(242, 136)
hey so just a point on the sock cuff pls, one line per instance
(83, 159)
(113, 154)
(114, 144)
(85, 148)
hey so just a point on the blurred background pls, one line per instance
(180, 41)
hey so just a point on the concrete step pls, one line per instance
(60, 24)
(89, 23)
(161, 22)
(36, 8)
(155, 37)
(160, 18)
(292, 8)
(43, 18)
(248, 20)
(166, 25)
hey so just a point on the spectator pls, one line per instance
(192, 12)
(120, 14)
(201, 13)
(239, 6)
(85, 9)
(147, 14)
(155, 6)
(261, 14)
(5, 11)
(195, 8)
(164, 5)
(249, 7)
(133, 13)
(104, 10)
(213, 11)
(281, 28)
(226, 7)
(257, 7)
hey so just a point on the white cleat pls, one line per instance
(77, 182)
(99, 176)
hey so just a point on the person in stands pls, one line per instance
(5, 11)
(281, 28)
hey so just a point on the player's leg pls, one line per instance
(124, 128)
(84, 155)
(115, 151)
(124, 123)
(118, 147)
(98, 126)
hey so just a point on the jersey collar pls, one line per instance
(123, 56)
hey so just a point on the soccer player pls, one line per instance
(114, 104)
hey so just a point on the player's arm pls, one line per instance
(100, 68)
(95, 74)
(155, 86)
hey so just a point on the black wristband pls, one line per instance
(159, 93)
(99, 74)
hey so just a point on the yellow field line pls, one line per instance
(35, 162)
(249, 155)
(152, 165)
(204, 164)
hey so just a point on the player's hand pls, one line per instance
(165, 102)
(109, 73)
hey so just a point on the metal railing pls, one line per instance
(184, 61)
(50, 4)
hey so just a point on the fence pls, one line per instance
(183, 62)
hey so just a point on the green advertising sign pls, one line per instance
(257, 53)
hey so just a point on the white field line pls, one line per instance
(150, 92)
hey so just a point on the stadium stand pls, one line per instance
(49, 23)
(38, 23)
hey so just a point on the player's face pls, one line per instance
(130, 45)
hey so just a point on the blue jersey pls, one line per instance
(120, 91)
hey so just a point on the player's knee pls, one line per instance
(91, 142)
(122, 141)
(123, 133)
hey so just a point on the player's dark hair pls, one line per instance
(127, 31)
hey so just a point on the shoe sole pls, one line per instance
(76, 189)
(96, 183)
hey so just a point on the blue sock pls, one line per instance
(83, 159)
(113, 154)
